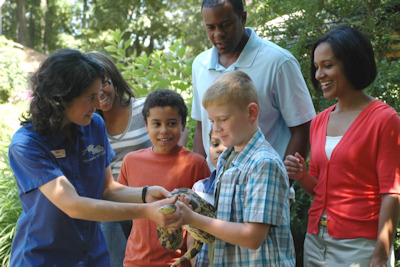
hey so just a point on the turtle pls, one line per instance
(172, 239)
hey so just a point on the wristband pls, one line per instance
(144, 191)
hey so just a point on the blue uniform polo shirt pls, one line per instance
(46, 236)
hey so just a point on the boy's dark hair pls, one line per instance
(165, 98)
(62, 77)
(237, 5)
(123, 91)
(354, 50)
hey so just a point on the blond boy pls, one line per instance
(252, 227)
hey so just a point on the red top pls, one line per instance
(181, 168)
(363, 165)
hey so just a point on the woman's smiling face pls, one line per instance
(81, 109)
(330, 72)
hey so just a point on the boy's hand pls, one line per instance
(172, 220)
(184, 199)
(186, 209)
(295, 166)
(155, 193)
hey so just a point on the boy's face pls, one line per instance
(164, 126)
(216, 148)
(231, 124)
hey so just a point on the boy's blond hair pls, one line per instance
(232, 87)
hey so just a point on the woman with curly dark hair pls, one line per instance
(61, 161)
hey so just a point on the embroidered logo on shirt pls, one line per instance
(93, 152)
(59, 153)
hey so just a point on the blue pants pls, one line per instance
(116, 242)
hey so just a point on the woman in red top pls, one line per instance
(354, 174)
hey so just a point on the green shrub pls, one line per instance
(13, 79)
(10, 207)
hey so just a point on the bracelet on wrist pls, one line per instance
(144, 191)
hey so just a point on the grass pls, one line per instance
(10, 207)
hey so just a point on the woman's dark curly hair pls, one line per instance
(354, 49)
(123, 91)
(62, 77)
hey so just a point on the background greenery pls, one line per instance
(154, 43)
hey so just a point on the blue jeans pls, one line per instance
(116, 242)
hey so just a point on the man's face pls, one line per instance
(224, 27)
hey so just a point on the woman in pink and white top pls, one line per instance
(354, 175)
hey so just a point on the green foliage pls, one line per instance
(299, 219)
(85, 24)
(13, 79)
(10, 207)
(297, 24)
(150, 25)
(386, 87)
(161, 69)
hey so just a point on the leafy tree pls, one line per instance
(38, 23)
(85, 24)
(301, 22)
(150, 25)
(170, 69)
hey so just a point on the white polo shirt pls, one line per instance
(284, 99)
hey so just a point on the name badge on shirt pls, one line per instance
(59, 153)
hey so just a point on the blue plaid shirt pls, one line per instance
(255, 188)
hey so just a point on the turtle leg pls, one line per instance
(190, 253)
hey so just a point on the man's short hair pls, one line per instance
(232, 87)
(237, 5)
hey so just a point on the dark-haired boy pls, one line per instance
(167, 164)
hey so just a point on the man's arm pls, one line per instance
(198, 146)
(300, 140)
(184, 138)
(388, 220)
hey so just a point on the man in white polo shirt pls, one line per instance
(286, 108)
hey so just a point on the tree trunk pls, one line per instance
(33, 23)
(85, 10)
(43, 8)
(22, 31)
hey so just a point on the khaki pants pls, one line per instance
(323, 250)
